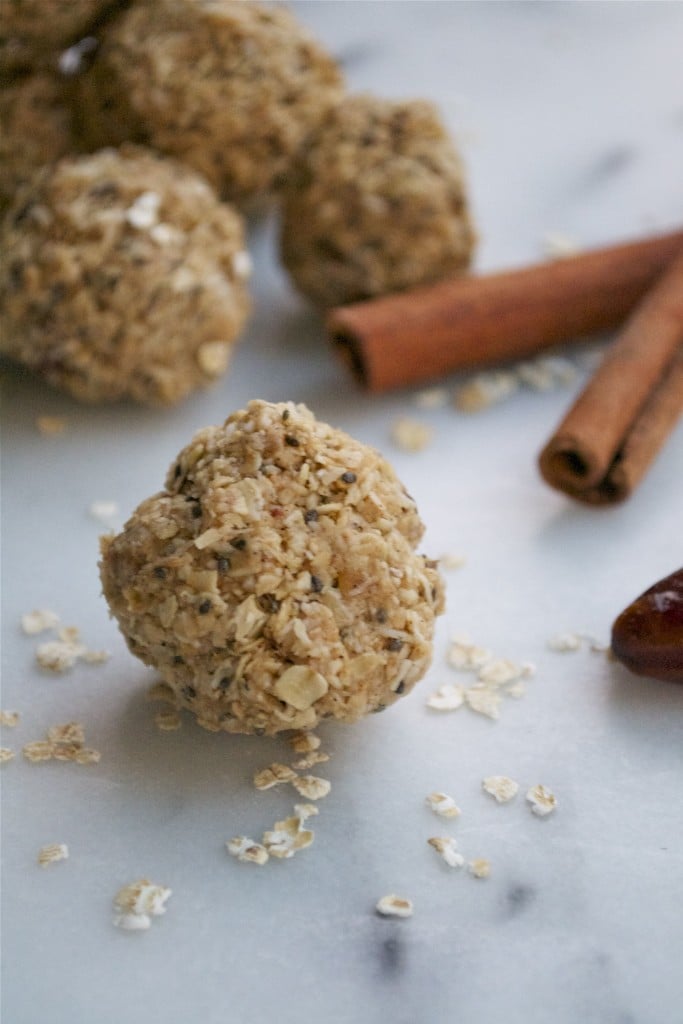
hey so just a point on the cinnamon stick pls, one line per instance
(403, 339)
(612, 433)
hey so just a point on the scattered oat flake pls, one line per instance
(466, 656)
(167, 720)
(500, 671)
(394, 906)
(246, 850)
(38, 750)
(86, 755)
(542, 800)
(516, 690)
(38, 621)
(58, 655)
(286, 838)
(136, 904)
(304, 742)
(103, 511)
(411, 435)
(68, 732)
(51, 426)
(483, 700)
(96, 657)
(443, 805)
(485, 390)
(446, 698)
(564, 642)
(52, 853)
(547, 373)
(311, 787)
(274, 775)
(447, 848)
(452, 561)
(311, 760)
(305, 811)
(500, 787)
(6, 754)
(431, 398)
(9, 718)
(69, 634)
(479, 867)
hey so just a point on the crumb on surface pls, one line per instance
(52, 853)
(394, 906)
(431, 398)
(500, 787)
(565, 642)
(51, 426)
(167, 720)
(311, 787)
(443, 805)
(483, 700)
(137, 903)
(448, 697)
(542, 800)
(247, 850)
(9, 718)
(447, 848)
(6, 754)
(287, 837)
(451, 561)
(479, 867)
(39, 621)
(274, 775)
(410, 435)
(484, 390)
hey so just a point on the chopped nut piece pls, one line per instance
(167, 720)
(564, 642)
(394, 906)
(411, 435)
(483, 700)
(479, 867)
(247, 850)
(38, 621)
(58, 655)
(485, 390)
(6, 754)
(304, 742)
(274, 775)
(300, 686)
(137, 903)
(500, 787)
(51, 426)
(447, 848)
(286, 838)
(542, 800)
(312, 787)
(446, 698)
(9, 718)
(443, 805)
(52, 853)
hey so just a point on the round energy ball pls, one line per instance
(228, 87)
(32, 31)
(122, 276)
(375, 203)
(274, 582)
(36, 129)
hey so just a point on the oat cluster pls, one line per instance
(122, 276)
(274, 581)
(231, 88)
(375, 203)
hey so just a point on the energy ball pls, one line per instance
(375, 203)
(122, 276)
(230, 88)
(33, 31)
(274, 582)
(36, 130)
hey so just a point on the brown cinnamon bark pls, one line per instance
(407, 338)
(609, 437)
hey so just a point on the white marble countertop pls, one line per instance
(570, 117)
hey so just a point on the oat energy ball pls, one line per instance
(35, 129)
(274, 581)
(376, 203)
(122, 276)
(231, 88)
(33, 30)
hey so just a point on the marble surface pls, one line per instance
(570, 117)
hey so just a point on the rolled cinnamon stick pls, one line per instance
(609, 437)
(410, 337)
